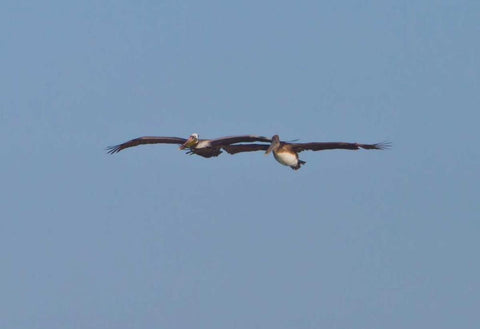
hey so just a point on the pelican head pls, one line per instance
(190, 142)
(274, 146)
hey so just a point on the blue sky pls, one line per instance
(151, 237)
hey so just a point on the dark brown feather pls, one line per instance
(238, 139)
(299, 147)
(233, 149)
(145, 140)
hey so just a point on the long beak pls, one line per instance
(274, 145)
(270, 149)
(187, 143)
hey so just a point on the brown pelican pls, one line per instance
(206, 148)
(287, 153)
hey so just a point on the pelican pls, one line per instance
(287, 153)
(206, 148)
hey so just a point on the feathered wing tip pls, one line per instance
(384, 145)
(376, 146)
(113, 149)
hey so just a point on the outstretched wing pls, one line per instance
(238, 139)
(233, 149)
(145, 140)
(299, 147)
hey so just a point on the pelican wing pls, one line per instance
(233, 149)
(145, 140)
(299, 147)
(238, 139)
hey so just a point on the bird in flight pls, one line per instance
(206, 148)
(287, 153)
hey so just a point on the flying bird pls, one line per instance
(206, 148)
(287, 153)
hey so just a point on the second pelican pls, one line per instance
(287, 153)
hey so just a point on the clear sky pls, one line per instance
(153, 238)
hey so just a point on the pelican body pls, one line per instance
(287, 153)
(206, 148)
(284, 153)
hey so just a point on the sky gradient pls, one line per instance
(153, 238)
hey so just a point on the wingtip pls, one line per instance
(112, 149)
(386, 145)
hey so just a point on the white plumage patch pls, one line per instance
(287, 159)
(203, 144)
